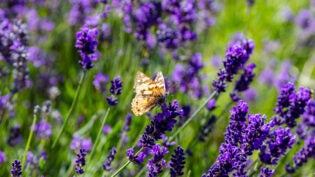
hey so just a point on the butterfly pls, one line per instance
(149, 93)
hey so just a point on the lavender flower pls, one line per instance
(43, 129)
(109, 160)
(15, 136)
(308, 151)
(266, 172)
(13, 39)
(157, 162)
(100, 81)
(107, 129)
(81, 143)
(164, 121)
(246, 78)
(188, 78)
(291, 104)
(3, 158)
(283, 101)
(16, 170)
(80, 161)
(127, 123)
(309, 114)
(255, 133)
(116, 86)
(86, 44)
(115, 90)
(279, 141)
(233, 134)
(177, 162)
(211, 105)
(237, 55)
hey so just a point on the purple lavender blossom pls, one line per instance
(283, 101)
(297, 105)
(309, 114)
(278, 142)
(111, 100)
(177, 162)
(246, 78)
(100, 81)
(116, 86)
(13, 48)
(250, 95)
(307, 152)
(3, 158)
(86, 44)
(80, 161)
(266, 172)
(211, 105)
(285, 75)
(109, 160)
(15, 136)
(81, 143)
(107, 129)
(233, 134)
(164, 121)
(115, 90)
(156, 164)
(188, 78)
(127, 123)
(16, 170)
(43, 129)
(237, 55)
(255, 133)
(304, 18)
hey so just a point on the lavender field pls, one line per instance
(153, 88)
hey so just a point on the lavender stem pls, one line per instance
(74, 102)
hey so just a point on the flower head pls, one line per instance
(16, 170)
(177, 162)
(80, 161)
(109, 160)
(86, 44)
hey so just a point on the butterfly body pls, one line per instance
(149, 93)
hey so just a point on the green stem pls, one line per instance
(74, 102)
(192, 116)
(30, 136)
(99, 132)
(124, 165)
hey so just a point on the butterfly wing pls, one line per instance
(141, 82)
(160, 82)
(148, 92)
(141, 104)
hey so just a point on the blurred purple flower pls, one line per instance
(107, 129)
(250, 95)
(80, 143)
(100, 81)
(43, 129)
(15, 136)
(3, 158)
